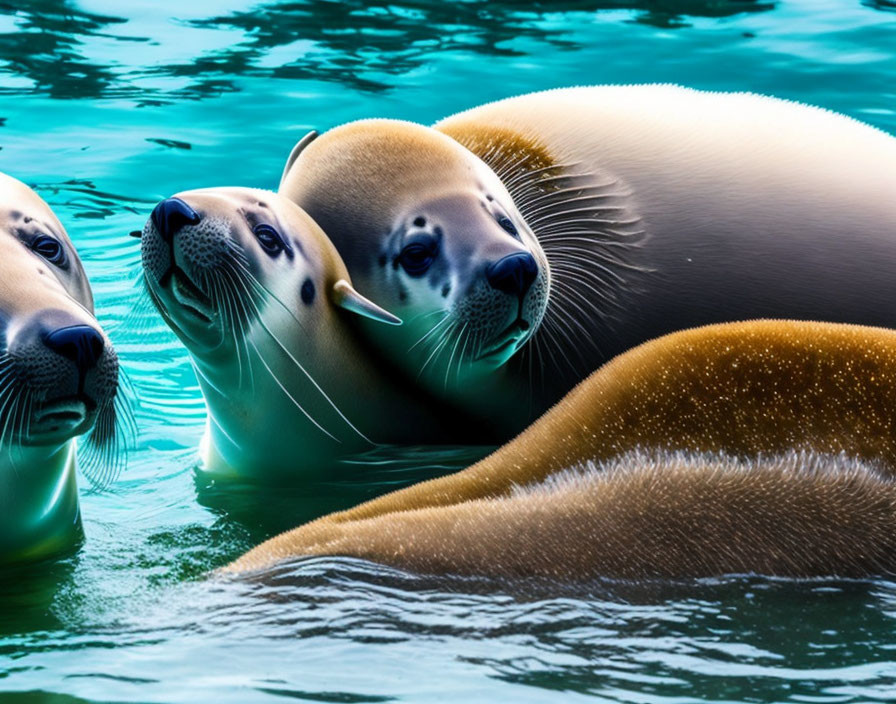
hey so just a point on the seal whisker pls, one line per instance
(109, 442)
(420, 316)
(425, 335)
(289, 395)
(462, 356)
(220, 293)
(453, 352)
(587, 280)
(561, 324)
(571, 235)
(564, 215)
(549, 328)
(9, 409)
(577, 302)
(576, 253)
(239, 316)
(437, 347)
(244, 319)
(260, 320)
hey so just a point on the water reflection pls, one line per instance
(46, 47)
(267, 510)
(354, 43)
(48, 42)
(885, 5)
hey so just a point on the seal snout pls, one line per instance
(82, 344)
(68, 369)
(513, 274)
(171, 215)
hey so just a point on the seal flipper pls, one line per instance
(296, 150)
(345, 296)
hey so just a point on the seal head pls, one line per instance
(259, 296)
(429, 231)
(58, 379)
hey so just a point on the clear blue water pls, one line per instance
(108, 106)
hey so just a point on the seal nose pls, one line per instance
(172, 214)
(513, 274)
(79, 343)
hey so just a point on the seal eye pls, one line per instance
(508, 225)
(271, 241)
(417, 257)
(308, 292)
(49, 249)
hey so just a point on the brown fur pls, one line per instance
(757, 391)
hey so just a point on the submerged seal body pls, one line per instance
(766, 446)
(662, 208)
(58, 379)
(429, 232)
(260, 297)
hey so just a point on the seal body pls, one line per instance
(662, 208)
(428, 231)
(261, 299)
(766, 446)
(58, 380)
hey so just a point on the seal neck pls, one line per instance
(40, 515)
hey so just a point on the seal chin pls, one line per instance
(499, 350)
(60, 419)
(192, 300)
(189, 310)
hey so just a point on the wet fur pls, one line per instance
(767, 447)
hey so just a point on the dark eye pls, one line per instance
(271, 241)
(417, 257)
(49, 249)
(508, 225)
(307, 292)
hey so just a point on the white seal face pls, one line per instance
(254, 288)
(58, 377)
(428, 231)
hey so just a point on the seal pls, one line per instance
(429, 232)
(657, 208)
(765, 446)
(58, 380)
(662, 208)
(261, 299)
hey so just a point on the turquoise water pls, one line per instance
(107, 107)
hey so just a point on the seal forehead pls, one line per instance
(371, 159)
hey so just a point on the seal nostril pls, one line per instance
(524, 324)
(171, 215)
(79, 343)
(513, 274)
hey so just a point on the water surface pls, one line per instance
(106, 107)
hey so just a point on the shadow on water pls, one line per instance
(264, 511)
(27, 593)
(39, 697)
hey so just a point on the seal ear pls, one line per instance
(296, 150)
(346, 297)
